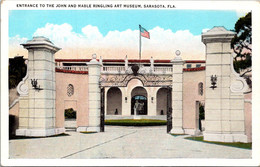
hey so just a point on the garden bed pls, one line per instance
(135, 122)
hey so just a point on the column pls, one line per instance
(105, 100)
(224, 103)
(152, 65)
(94, 73)
(126, 101)
(126, 63)
(37, 106)
(177, 86)
(151, 101)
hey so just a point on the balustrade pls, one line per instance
(118, 69)
(113, 68)
(143, 69)
(73, 68)
(163, 69)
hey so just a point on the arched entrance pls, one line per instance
(161, 98)
(70, 115)
(114, 101)
(139, 101)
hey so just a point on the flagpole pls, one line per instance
(140, 44)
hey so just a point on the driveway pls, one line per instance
(121, 142)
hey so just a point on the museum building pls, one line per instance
(122, 89)
(98, 89)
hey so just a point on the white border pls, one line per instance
(197, 5)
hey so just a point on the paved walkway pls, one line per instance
(121, 142)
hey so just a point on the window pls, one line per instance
(70, 90)
(188, 65)
(198, 65)
(200, 88)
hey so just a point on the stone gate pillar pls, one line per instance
(94, 72)
(177, 98)
(37, 103)
(224, 104)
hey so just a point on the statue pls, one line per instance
(138, 107)
(116, 112)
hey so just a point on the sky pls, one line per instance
(114, 33)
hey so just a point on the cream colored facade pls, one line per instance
(118, 99)
(77, 83)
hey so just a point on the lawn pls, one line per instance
(135, 122)
(175, 134)
(235, 144)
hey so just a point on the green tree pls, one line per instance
(242, 46)
(17, 71)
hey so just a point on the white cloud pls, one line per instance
(62, 35)
(161, 41)
(127, 38)
(16, 41)
(205, 30)
(15, 47)
(92, 33)
(241, 13)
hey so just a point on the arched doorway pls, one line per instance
(161, 98)
(114, 101)
(70, 115)
(139, 101)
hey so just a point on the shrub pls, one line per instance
(201, 112)
(138, 122)
(70, 113)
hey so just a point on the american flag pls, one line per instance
(144, 32)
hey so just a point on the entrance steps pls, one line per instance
(70, 124)
(70, 129)
(157, 117)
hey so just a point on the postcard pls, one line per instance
(129, 83)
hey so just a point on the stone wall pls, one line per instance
(191, 94)
(248, 116)
(78, 100)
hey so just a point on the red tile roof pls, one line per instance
(72, 60)
(194, 69)
(195, 61)
(71, 71)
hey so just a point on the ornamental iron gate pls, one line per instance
(169, 109)
(102, 110)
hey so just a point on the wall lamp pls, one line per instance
(34, 84)
(213, 80)
(126, 99)
(152, 99)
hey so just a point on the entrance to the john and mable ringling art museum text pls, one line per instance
(139, 105)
